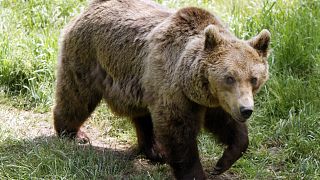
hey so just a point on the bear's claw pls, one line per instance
(154, 154)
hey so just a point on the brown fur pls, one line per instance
(165, 70)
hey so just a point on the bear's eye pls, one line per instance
(230, 80)
(254, 81)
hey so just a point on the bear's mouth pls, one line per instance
(242, 120)
(239, 118)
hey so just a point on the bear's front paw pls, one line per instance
(82, 137)
(217, 170)
(155, 154)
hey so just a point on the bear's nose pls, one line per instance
(246, 112)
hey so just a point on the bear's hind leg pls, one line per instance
(229, 132)
(75, 101)
(146, 140)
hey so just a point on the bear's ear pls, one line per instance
(261, 42)
(213, 38)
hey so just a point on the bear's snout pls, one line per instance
(246, 112)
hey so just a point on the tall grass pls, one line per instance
(284, 130)
(29, 33)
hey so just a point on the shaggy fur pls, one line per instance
(170, 72)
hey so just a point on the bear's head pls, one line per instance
(236, 70)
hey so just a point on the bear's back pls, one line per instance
(112, 34)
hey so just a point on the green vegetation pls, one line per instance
(284, 132)
(50, 158)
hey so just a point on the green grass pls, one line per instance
(284, 132)
(53, 158)
(29, 34)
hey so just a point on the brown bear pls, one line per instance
(170, 72)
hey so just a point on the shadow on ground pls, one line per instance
(51, 157)
(48, 157)
(30, 150)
